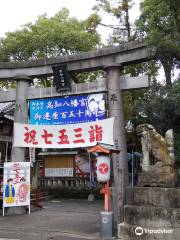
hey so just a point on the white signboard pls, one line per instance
(16, 191)
(58, 172)
(64, 136)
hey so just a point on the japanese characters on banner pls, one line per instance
(103, 168)
(64, 136)
(16, 184)
(67, 110)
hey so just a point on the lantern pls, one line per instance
(103, 168)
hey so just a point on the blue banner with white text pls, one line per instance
(67, 110)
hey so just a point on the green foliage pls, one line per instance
(119, 10)
(132, 96)
(160, 107)
(48, 37)
(114, 7)
(7, 84)
(159, 24)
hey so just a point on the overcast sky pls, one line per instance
(14, 13)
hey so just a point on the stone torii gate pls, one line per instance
(112, 60)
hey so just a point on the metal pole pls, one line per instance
(120, 163)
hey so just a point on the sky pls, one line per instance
(15, 13)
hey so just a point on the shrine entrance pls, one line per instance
(111, 60)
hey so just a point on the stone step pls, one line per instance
(153, 196)
(164, 177)
(152, 216)
(135, 232)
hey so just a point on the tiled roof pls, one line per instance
(4, 107)
(7, 109)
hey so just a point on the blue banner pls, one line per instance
(67, 110)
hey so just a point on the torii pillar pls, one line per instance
(120, 164)
(21, 112)
(20, 116)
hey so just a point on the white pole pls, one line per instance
(3, 211)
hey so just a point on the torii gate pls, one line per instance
(112, 60)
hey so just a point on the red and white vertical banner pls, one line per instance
(64, 136)
(16, 191)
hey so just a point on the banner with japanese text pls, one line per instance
(67, 109)
(64, 136)
(16, 191)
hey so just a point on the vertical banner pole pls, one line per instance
(29, 208)
(132, 166)
(90, 174)
(106, 197)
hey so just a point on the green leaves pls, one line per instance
(159, 25)
(48, 37)
(120, 11)
(160, 107)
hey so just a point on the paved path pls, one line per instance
(58, 220)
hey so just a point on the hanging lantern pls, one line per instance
(103, 168)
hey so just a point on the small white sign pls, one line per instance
(58, 172)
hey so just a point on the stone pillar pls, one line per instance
(21, 112)
(20, 116)
(120, 164)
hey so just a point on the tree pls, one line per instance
(122, 32)
(48, 37)
(160, 107)
(175, 9)
(159, 24)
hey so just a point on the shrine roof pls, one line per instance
(7, 110)
(103, 148)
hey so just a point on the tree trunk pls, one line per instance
(127, 24)
(167, 65)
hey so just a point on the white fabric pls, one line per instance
(21, 132)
